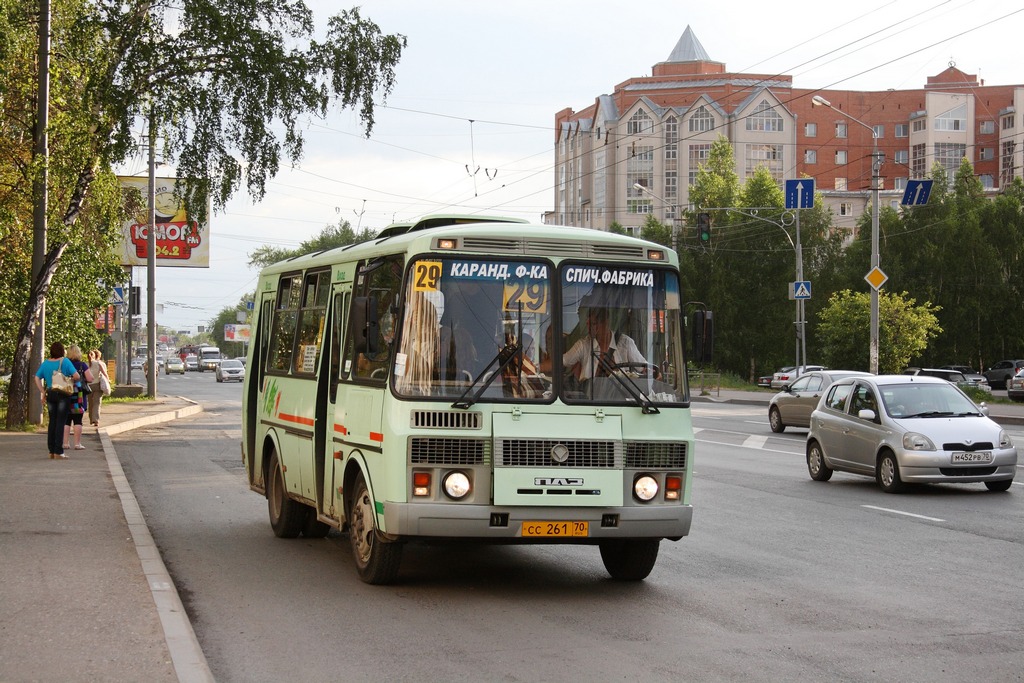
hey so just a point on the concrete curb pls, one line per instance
(188, 658)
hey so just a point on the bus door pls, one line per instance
(256, 385)
(327, 444)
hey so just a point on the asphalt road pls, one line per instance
(782, 578)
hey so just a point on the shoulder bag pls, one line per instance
(60, 383)
(104, 385)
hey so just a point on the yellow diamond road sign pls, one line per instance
(876, 278)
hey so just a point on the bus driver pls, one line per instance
(615, 348)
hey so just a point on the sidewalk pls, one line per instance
(84, 593)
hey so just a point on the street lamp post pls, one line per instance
(876, 166)
(675, 219)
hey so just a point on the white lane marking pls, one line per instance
(739, 445)
(900, 512)
(755, 441)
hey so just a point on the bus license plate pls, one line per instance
(555, 529)
(975, 456)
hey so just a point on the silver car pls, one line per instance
(792, 407)
(788, 374)
(230, 370)
(903, 429)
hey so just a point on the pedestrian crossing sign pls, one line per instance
(800, 289)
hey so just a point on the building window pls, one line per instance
(811, 130)
(840, 130)
(878, 132)
(764, 118)
(1007, 122)
(918, 160)
(987, 181)
(902, 130)
(949, 155)
(671, 138)
(810, 156)
(1006, 165)
(769, 156)
(899, 183)
(986, 154)
(920, 124)
(846, 209)
(902, 156)
(702, 120)
(639, 170)
(840, 157)
(841, 184)
(953, 120)
(639, 123)
(698, 157)
(671, 194)
(987, 127)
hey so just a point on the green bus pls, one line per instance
(466, 377)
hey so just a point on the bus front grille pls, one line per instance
(542, 453)
(424, 450)
(446, 419)
(648, 455)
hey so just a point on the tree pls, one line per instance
(904, 330)
(219, 89)
(331, 237)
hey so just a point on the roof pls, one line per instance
(688, 49)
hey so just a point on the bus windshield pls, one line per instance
(481, 329)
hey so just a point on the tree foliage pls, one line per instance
(331, 237)
(904, 330)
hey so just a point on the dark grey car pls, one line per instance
(792, 407)
(1000, 373)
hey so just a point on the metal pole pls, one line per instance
(151, 372)
(876, 165)
(801, 323)
(40, 193)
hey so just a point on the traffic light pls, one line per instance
(704, 227)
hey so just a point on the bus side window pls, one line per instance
(373, 319)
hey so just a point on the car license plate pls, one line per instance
(976, 456)
(555, 529)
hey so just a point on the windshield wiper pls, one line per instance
(931, 413)
(504, 356)
(646, 407)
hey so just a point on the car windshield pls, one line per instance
(231, 364)
(919, 400)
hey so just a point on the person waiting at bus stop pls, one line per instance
(600, 341)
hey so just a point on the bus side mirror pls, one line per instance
(365, 325)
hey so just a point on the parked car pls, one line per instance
(174, 364)
(955, 376)
(191, 362)
(230, 370)
(792, 407)
(1015, 387)
(1000, 373)
(764, 381)
(790, 373)
(977, 380)
(903, 429)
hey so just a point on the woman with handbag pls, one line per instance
(54, 379)
(100, 385)
(79, 400)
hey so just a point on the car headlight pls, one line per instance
(456, 485)
(1004, 439)
(645, 487)
(913, 441)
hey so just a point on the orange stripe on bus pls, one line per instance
(341, 429)
(376, 436)
(298, 419)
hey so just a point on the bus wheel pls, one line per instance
(630, 560)
(377, 560)
(314, 528)
(286, 515)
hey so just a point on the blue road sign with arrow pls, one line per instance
(800, 193)
(917, 193)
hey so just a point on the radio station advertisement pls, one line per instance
(179, 242)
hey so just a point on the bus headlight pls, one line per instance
(456, 485)
(645, 487)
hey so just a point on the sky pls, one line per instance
(469, 126)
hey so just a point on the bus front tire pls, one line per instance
(630, 559)
(377, 560)
(286, 515)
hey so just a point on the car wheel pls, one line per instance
(887, 473)
(630, 559)
(775, 420)
(999, 485)
(286, 515)
(377, 559)
(816, 466)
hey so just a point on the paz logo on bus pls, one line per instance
(558, 481)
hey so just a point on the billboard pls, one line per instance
(236, 333)
(179, 242)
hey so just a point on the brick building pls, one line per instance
(656, 131)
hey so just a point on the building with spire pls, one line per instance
(657, 130)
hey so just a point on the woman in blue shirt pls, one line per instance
(57, 403)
